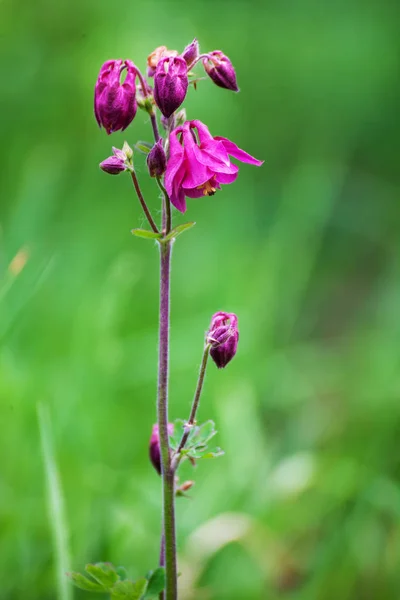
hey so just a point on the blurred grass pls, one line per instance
(305, 504)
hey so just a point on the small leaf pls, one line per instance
(156, 583)
(209, 454)
(145, 233)
(129, 590)
(104, 573)
(179, 430)
(178, 230)
(83, 583)
(143, 147)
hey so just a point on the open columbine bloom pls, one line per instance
(199, 164)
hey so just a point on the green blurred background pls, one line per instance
(306, 502)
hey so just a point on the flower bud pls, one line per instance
(191, 52)
(114, 102)
(154, 447)
(223, 336)
(114, 165)
(154, 58)
(157, 160)
(220, 70)
(170, 84)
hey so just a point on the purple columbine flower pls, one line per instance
(198, 165)
(115, 102)
(154, 447)
(170, 84)
(223, 336)
(114, 165)
(157, 160)
(220, 69)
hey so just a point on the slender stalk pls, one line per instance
(166, 225)
(195, 406)
(168, 477)
(154, 125)
(143, 203)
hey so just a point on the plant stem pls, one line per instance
(168, 476)
(166, 225)
(143, 203)
(154, 125)
(195, 406)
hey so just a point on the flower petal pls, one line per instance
(238, 153)
(175, 161)
(196, 173)
(227, 177)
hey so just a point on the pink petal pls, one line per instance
(196, 173)
(178, 200)
(227, 177)
(204, 134)
(175, 161)
(238, 153)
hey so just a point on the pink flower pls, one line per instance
(115, 102)
(223, 336)
(154, 446)
(199, 164)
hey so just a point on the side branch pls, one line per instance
(143, 203)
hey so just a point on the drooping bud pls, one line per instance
(114, 102)
(220, 69)
(154, 447)
(157, 160)
(223, 336)
(191, 52)
(170, 84)
(114, 165)
(154, 58)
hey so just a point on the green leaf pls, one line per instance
(83, 583)
(156, 584)
(129, 590)
(104, 573)
(143, 147)
(144, 233)
(178, 230)
(197, 454)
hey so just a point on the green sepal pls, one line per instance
(145, 233)
(156, 584)
(104, 573)
(178, 230)
(84, 583)
(143, 147)
(129, 590)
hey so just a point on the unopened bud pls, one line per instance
(154, 447)
(114, 165)
(170, 84)
(191, 52)
(220, 69)
(157, 160)
(223, 336)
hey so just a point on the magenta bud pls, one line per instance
(220, 69)
(170, 84)
(114, 165)
(115, 102)
(223, 336)
(157, 160)
(154, 447)
(191, 52)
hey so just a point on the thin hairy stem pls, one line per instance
(166, 226)
(143, 203)
(195, 406)
(167, 474)
(153, 119)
